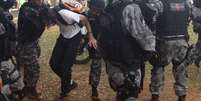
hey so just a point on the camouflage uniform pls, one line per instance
(95, 72)
(9, 74)
(170, 51)
(27, 57)
(14, 80)
(123, 54)
(194, 52)
(31, 25)
(171, 47)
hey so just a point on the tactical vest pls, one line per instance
(7, 36)
(172, 23)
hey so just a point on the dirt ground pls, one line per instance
(50, 83)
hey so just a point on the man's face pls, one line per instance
(37, 2)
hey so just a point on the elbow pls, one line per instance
(83, 20)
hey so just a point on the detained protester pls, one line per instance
(64, 52)
(11, 82)
(32, 21)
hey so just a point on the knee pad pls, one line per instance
(116, 81)
(132, 83)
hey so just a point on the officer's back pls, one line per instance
(30, 22)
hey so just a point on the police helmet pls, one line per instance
(7, 4)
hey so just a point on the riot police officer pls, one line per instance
(193, 55)
(121, 43)
(172, 46)
(9, 74)
(31, 24)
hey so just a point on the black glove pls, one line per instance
(148, 55)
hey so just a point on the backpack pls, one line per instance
(110, 19)
(112, 30)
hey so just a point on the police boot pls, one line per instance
(31, 93)
(34, 94)
(19, 93)
(154, 97)
(94, 95)
(182, 98)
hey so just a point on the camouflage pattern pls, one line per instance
(132, 19)
(170, 51)
(123, 55)
(193, 54)
(16, 81)
(198, 44)
(27, 57)
(95, 72)
(117, 78)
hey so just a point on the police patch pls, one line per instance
(177, 7)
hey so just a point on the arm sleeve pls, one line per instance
(135, 24)
(69, 16)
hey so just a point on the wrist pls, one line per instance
(89, 33)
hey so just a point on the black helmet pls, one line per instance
(197, 3)
(99, 4)
(7, 4)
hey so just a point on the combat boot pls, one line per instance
(182, 98)
(154, 97)
(67, 90)
(31, 93)
(94, 95)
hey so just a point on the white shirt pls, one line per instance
(69, 31)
